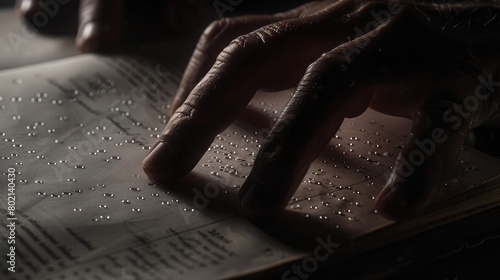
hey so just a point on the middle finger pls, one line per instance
(260, 59)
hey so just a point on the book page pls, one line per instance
(75, 132)
(78, 206)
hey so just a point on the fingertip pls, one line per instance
(393, 204)
(406, 198)
(101, 24)
(27, 9)
(159, 165)
(49, 17)
(91, 37)
(271, 184)
(258, 202)
(247, 201)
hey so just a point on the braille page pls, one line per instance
(74, 134)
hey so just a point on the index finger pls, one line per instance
(249, 63)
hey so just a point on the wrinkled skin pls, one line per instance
(434, 64)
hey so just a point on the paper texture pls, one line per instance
(75, 132)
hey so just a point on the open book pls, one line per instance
(75, 203)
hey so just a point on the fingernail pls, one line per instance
(91, 36)
(90, 29)
(26, 6)
(158, 164)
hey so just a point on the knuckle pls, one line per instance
(218, 28)
(444, 111)
(368, 6)
(257, 37)
(330, 68)
(257, 40)
(185, 112)
(244, 46)
(435, 106)
(214, 30)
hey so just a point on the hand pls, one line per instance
(104, 24)
(435, 64)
